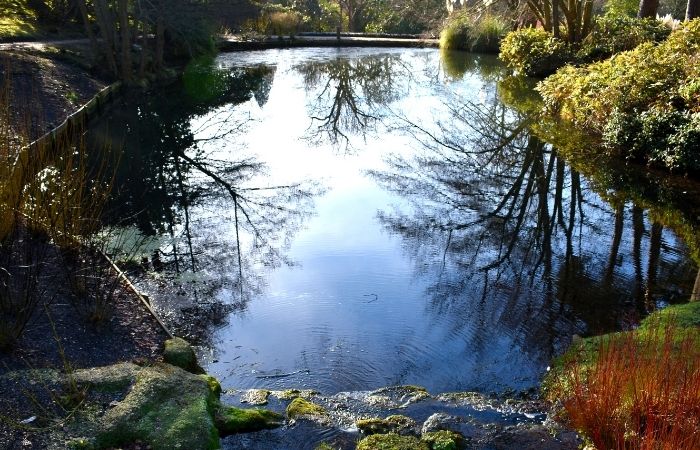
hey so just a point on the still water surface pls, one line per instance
(345, 219)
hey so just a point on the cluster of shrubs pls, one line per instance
(645, 103)
(466, 32)
(536, 52)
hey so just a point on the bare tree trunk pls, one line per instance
(692, 11)
(107, 28)
(144, 49)
(123, 12)
(555, 18)
(160, 36)
(695, 296)
(648, 8)
(94, 46)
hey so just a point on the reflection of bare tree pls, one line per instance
(185, 178)
(351, 93)
(512, 231)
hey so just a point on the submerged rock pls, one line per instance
(398, 424)
(291, 394)
(180, 353)
(395, 397)
(535, 438)
(441, 421)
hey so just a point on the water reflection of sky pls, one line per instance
(384, 281)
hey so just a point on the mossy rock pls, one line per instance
(391, 441)
(393, 424)
(397, 396)
(180, 353)
(231, 420)
(168, 408)
(291, 394)
(255, 397)
(112, 378)
(301, 408)
(443, 440)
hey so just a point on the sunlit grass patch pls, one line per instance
(17, 20)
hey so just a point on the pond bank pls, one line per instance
(163, 404)
(234, 43)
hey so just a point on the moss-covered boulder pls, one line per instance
(398, 424)
(443, 440)
(231, 420)
(168, 408)
(391, 441)
(180, 353)
(438, 440)
(301, 408)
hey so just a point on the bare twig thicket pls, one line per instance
(51, 191)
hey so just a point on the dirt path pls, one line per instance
(41, 45)
(46, 85)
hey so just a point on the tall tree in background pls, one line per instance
(647, 8)
(693, 10)
(160, 28)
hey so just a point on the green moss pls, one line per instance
(168, 408)
(391, 441)
(302, 408)
(236, 420)
(324, 446)
(79, 444)
(682, 316)
(180, 353)
(443, 440)
(392, 424)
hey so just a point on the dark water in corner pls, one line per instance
(356, 218)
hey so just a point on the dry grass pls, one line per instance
(641, 392)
